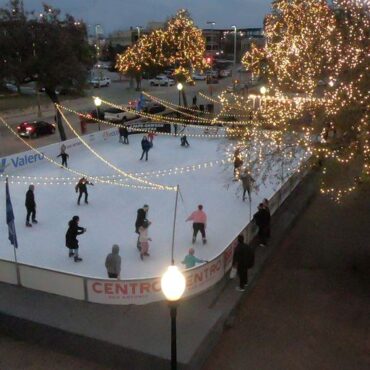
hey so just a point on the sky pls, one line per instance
(121, 14)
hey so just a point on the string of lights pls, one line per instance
(109, 164)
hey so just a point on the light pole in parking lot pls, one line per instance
(179, 86)
(234, 28)
(97, 102)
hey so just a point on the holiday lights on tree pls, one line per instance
(311, 43)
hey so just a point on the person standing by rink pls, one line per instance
(184, 141)
(30, 206)
(144, 239)
(199, 219)
(64, 155)
(82, 188)
(113, 263)
(71, 237)
(123, 133)
(262, 220)
(243, 259)
(247, 182)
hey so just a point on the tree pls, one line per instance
(16, 44)
(320, 52)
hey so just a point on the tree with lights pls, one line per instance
(319, 52)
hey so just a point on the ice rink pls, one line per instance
(111, 213)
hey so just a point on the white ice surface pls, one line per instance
(110, 215)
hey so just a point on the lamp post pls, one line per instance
(234, 28)
(179, 86)
(263, 91)
(138, 31)
(173, 286)
(97, 102)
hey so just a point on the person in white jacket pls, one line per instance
(144, 239)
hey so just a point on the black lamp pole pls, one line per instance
(173, 312)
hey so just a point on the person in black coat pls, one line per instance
(184, 141)
(71, 237)
(82, 188)
(141, 218)
(123, 133)
(64, 156)
(262, 220)
(30, 206)
(145, 145)
(243, 259)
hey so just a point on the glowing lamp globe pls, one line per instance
(180, 86)
(173, 284)
(263, 90)
(97, 102)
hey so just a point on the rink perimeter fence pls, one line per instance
(118, 292)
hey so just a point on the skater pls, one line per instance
(82, 188)
(184, 141)
(238, 162)
(243, 259)
(144, 239)
(199, 219)
(30, 206)
(123, 133)
(71, 237)
(247, 182)
(64, 156)
(190, 260)
(262, 220)
(151, 138)
(113, 263)
(140, 219)
(145, 145)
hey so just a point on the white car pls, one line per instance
(161, 81)
(225, 73)
(118, 115)
(101, 82)
(198, 77)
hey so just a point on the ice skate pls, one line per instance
(204, 241)
(78, 259)
(28, 224)
(34, 222)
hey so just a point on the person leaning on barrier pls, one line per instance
(113, 263)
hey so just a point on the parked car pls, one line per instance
(100, 82)
(154, 108)
(118, 115)
(225, 73)
(236, 88)
(161, 81)
(198, 77)
(35, 129)
(212, 73)
(88, 117)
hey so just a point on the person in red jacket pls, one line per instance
(199, 219)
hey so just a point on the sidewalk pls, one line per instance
(137, 337)
(311, 307)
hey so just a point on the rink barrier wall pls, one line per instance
(135, 291)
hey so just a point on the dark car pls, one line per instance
(35, 129)
(89, 117)
(154, 108)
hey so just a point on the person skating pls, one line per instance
(190, 260)
(123, 133)
(199, 219)
(238, 162)
(64, 156)
(113, 263)
(145, 145)
(71, 237)
(247, 182)
(144, 239)
(81, 187)
(243, 259)
(184, 141)
(262, 220)
(142, 214)
(30, 206)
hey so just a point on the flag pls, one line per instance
(10, 217)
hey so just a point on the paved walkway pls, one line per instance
(310, 309)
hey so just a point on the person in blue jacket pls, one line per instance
(145, 145)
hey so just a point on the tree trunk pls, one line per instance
(185, 102)
(54, 98)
